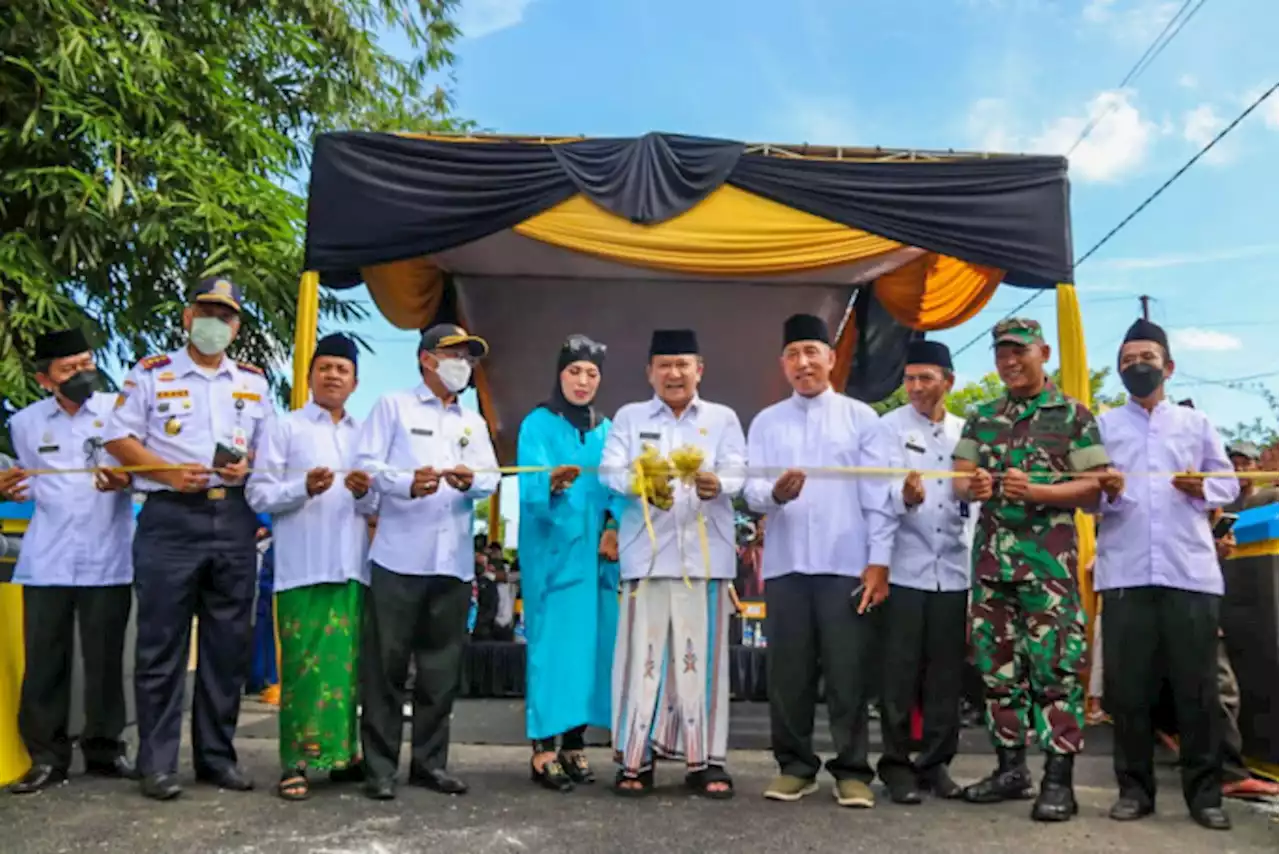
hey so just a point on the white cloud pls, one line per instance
(479, 18)
(1270, 108)
(1116, 145)
(1188, 81)
(1193, 338)
(1200, 126)
(1157, 262)
(1130, 23)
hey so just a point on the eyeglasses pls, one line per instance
(585, 345)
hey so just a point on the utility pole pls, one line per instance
(1146, 306)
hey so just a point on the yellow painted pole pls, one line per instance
(304, 344)
(14, 761)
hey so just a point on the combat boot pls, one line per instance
(1011, 781)
(1056, 801)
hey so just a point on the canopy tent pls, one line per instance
(525, 240)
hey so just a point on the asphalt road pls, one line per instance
(505, 813)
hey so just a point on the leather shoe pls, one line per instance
(119, 768)
(232, 779)
(1212, 817)
(1128, 808)
(902, 790)
(161, 787)
(39, 778)
(939, 782)
(438, 780)
(380, 789)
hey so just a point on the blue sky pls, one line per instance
(1004, 75)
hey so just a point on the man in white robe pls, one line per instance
(677, 557)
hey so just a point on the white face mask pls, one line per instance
(210, 335)
(454, 373)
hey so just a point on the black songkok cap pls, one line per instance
(1145, 330)
(673, 342)
(337, 345)
(60, 344)
(804, 327)
(922, 352)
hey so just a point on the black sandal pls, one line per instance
(293, 786)
(552, 776)
(644, 780)
(702, 781)
(576, 766)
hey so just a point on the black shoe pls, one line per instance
(161, 787)
(438, 780)
(553, 776)
(938, 781)
(119, 768)
(39, 778)
(575, 764)
(902, 788)
(232, 779)
(353, 773)
(1212, 817)
(1130, 808)
(1011, 781)
(380, 788)
(1056, 801)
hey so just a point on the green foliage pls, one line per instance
(1262, 432)
(961, 401)
(145, 144)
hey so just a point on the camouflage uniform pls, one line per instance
(1028, 626)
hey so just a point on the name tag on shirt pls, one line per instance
(421, 431)
(914, 447)
(48, 449)
(652, 437)
(173, 393)
(240, 439)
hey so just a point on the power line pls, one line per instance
(1140, 208)
(1153, 50)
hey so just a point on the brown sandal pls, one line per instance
(293, 786)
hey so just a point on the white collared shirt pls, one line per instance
(430, 535)
(715, 430)
(181, 411)
(78, 536)
(321, 539)
(932, 550)
(839, 524)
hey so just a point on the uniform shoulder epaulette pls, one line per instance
(152, 362)
(253, 369)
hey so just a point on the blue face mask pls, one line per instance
(210, 335)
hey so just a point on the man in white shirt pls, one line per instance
(321, 539)
(75, 566)
(926, 614)
(431, 461)
(678, 563)
(826, 564)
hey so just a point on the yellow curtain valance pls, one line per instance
(936, 291)
(729, 233)
(408, 293)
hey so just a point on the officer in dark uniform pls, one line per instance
(195, 415)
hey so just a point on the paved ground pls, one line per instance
(505, 813)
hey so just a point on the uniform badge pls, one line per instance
(173, 426)
(98, 424)
(186, 404)
(466, 437)
(47, 438)
(702, 431)
(166, 377)
(239, 403)
(162, 407)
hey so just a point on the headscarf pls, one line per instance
(576, 348)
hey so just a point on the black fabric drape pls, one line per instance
(881, 354)
(649, 179)
(376, 198)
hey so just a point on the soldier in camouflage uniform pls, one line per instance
(1028, 627)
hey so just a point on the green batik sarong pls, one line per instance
(319, 629)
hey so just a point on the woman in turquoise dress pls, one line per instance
(568, 552)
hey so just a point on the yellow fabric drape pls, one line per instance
(14, 761)
(729, 233)
(304, 336)
(408, 293)
(936, 291)
(1075, 383)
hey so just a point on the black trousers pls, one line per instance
(813, 629)
(1152, 633)
(922, 653)
(424, 617)
(49, 619)
(192, 557)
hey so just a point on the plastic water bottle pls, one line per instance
(748, 635)
(762, 642)
(471, 616)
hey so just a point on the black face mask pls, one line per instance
(1142, 379)
(80, 387)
